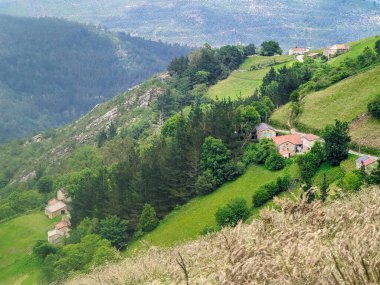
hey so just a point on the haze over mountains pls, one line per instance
(53, 71)
(313, 23)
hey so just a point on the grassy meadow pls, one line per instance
(188, 221)
(345, 100)
(18, 236)
(243, 82)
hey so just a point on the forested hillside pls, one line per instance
(154, 160)
(307, 23)
(53, 71)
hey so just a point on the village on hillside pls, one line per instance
(59, 207)
(296, 143)
(328, 52)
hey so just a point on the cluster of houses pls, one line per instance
(329, 52)
(298, 143)
(58, 207)
(287, 145)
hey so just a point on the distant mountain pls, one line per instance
(312, 23)
(52, 71)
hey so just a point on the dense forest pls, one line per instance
(52, 71)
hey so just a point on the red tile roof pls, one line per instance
(53, 202)
(369, 161)
(311, 137)
(299, 49)
(294, 139)
(60, 225)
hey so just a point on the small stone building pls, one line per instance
(60, 231)
(335, 50)
(55, 208)
(308, 140)
(288, 145)
(265, 131)
(298, 51)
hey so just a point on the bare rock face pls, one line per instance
(28, 176)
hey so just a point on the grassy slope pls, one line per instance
(187, 222)
(345, 100)
(17, 239)
(244, 82)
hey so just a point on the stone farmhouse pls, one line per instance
(60, 231)
(55, 208)
(298, 51)
(367, 162)
(335, 50)
(287, 145)
(265, 131)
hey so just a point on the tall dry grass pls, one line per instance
(305, 243)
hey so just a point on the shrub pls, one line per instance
(269, 190)
(235, 211)
(42, 249)
(233, 170)
(258, 153)
(263, 194)
(207, 230)
(148, 219)
(283, 183)
(206, 183)
(351, 181)
(374, 107)
(275, 162)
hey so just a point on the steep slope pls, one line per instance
(244, 81)
(130, 111)
(53, 71)
(346, 100)
(187, 222)
(307, 23)
(298, 245)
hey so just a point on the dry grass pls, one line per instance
(366, 131)
(302, 244)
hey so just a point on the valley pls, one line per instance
(185, 166)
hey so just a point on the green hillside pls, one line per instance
(18, 236)
(188, 222)
(243, 82)
(345, 101)
(356, 48)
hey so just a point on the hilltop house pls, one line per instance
(365, 161)
(60, 231)
(55, 208)
(265, 131)
(335, 50)
(298, 51)
(289, 145)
